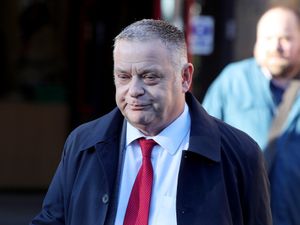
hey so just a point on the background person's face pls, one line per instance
(149, 90)
(277, 46)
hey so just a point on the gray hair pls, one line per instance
(168, 34)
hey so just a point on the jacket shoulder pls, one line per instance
(88, 134)
(237, 144)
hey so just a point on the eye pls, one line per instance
(123, 77)
(150, 78)
(287, 39)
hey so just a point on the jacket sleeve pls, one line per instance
(247, 182)
(256, 199)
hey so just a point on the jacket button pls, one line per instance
(105, 198)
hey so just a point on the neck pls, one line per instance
(281, 82)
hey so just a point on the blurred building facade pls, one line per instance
(56, 67)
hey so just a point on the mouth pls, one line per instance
(278, 60)
(138, 107)
(277, 56)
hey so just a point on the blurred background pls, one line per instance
(56, 73)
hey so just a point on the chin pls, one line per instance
(279, 71)
(134, 119)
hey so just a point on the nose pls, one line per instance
(275, 44)
(136, 87)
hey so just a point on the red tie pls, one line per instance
(137, 212)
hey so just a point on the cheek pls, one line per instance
(163, 98)
(120, 90)
(295, 53)
(119, 96)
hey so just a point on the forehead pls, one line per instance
(138, 51)
(278, 22)
(123, 45)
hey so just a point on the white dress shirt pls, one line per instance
(165, 158)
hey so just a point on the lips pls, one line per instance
(138, 106)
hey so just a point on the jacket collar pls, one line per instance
(205, 138)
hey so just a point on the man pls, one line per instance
(203, 170)
(247, 95)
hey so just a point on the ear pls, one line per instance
(187, 76)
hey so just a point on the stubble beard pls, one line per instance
(281, 68)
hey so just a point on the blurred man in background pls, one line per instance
(260, 96)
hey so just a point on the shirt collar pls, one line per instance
(169, 138)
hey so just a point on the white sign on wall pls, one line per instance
(201, 39)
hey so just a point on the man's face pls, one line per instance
(150, 91)
(277, 45)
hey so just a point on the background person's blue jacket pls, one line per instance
(241, 96)
(222, 179)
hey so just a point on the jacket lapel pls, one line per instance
(201, 189)
(110, 155)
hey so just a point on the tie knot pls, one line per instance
(146, 146)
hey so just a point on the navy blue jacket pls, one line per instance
(222, 179)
